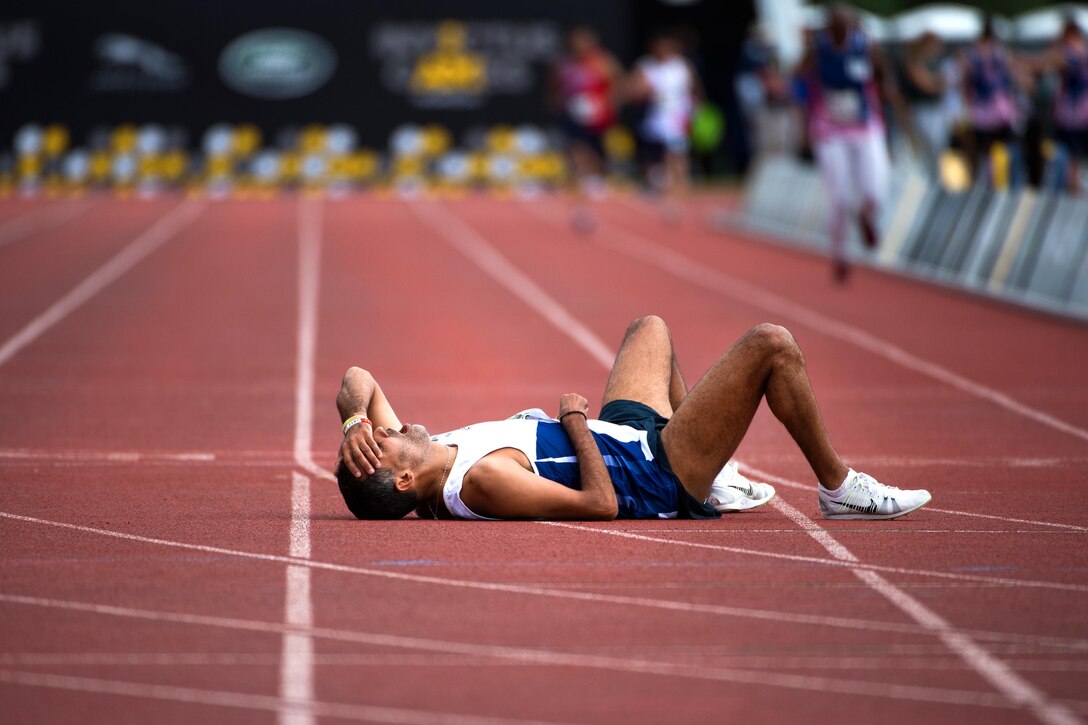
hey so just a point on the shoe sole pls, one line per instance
(875, 517)
(744, 504)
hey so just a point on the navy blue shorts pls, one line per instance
(577, 133)
(641, 416)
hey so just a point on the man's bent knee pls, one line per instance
(772, 339)
(646, 321)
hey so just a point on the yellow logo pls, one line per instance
(455, 63)
(450, 67)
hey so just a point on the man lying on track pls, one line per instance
(657, 451)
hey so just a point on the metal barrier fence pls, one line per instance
(1023, 246)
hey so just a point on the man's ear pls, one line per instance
(405, 479)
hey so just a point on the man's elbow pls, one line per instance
(356, 373)
(352, 378)
(606, 510)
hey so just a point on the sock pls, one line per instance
(841, 490)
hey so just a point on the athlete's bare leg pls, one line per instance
(678, 389)
(676, 168)
(588, 167)
(708, 426)
(646, 370)
(585, 160)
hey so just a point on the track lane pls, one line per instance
(188, 350)
(46, 263)
(22, 208)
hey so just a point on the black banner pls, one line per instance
(373, 65)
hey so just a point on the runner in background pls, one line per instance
(841, 71)
(666, 81)
(991, 90)
(584, 87)
(1069, 59)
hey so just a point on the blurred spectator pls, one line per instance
(584, 86)
(923, 83)
(666, 80)
(707, 118)
(756, 55)
(991, 91)
(1069, 58)
(771, 124)
(843, 70)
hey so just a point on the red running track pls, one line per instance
(173, 550)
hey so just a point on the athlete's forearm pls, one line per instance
(596, 483)
(356, 393)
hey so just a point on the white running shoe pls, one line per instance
(863, 497)
(732, 491)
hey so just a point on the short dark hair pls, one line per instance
(376, 496)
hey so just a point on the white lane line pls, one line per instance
(523, 655)
(626, 601)
(1071, 527)
(154, 237)
(834, 562)
(922, 462)
(468, 242)
(297, 666)
(300, 516)
(430, 659)
(993, 670)
(789, 483)
(247, 659)
(242, 700)
(309, 281)
(26, 454)
(885, 531)
(684, 267)
(297, 660)
(41, 220)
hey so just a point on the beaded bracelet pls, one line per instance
(356, 420)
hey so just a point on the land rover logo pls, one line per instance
(277, 63)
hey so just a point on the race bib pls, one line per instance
(584, 108)
(844, 107)
(859, 70)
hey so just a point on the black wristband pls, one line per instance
(570, 412)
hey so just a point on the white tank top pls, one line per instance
(520, 433)
(669, 114)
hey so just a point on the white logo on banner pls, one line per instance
(133, 65)
(277, 63)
